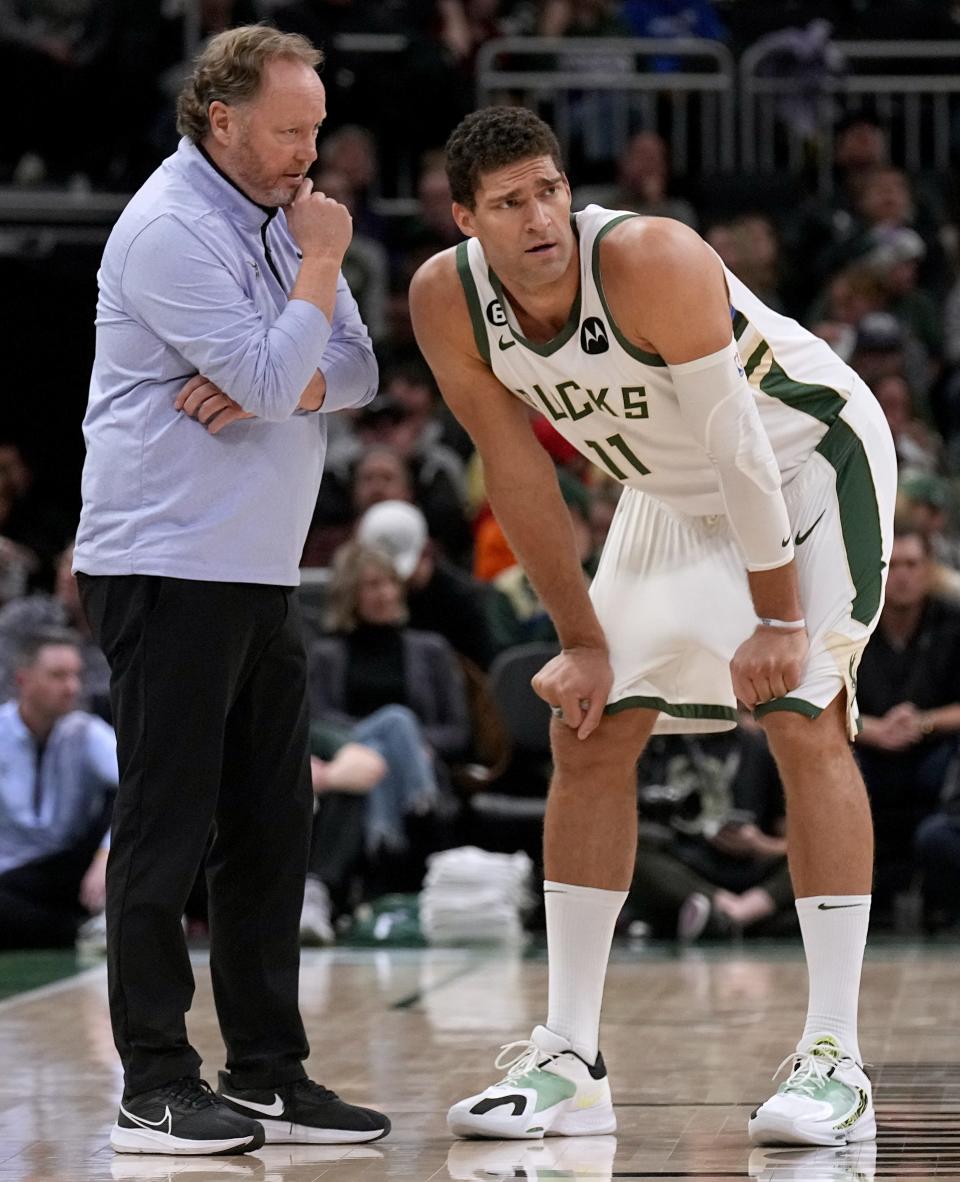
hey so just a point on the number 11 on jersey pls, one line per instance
(619, 444)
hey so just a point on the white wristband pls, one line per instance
(783, 625)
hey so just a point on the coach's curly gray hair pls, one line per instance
(230, 68)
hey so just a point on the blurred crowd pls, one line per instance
(411, 596)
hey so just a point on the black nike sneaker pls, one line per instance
(185, 1116)
(304, 1112)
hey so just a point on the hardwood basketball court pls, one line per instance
(691, 1040)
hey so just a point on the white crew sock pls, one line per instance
(580, 923)
(834, 931)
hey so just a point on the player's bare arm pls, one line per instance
(666, 289)
(522, 487)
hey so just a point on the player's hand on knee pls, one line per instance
(769, 664)
(576, 684)
(207, 403)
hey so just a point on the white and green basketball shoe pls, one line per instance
(548, 1091)
(826, 1100)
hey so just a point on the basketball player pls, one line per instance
(745, 560)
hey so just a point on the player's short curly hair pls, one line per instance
(230, 69)
(491, 138)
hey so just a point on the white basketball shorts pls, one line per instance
(672, 596)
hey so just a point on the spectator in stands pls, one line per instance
(894, 257)
(859, 147)
(412, 387)
(439, 480)
(919, 448)
(380, 474)
(886, 202)
(352, 152)
(712, 857)
(440, 597)
(847, 298)
(882, 348)
(827, 233)
(592, 114)
(643, 183)
(41, 52)
(373, 658)
(466, 25)
(951, 325)
(673, 19)
(370, 783)
(56, 793)
(432, 227)
(32, 520)
(402, 420)
(750, 247)
(581, 18)
(938, 857)
(39, 611)
(393, 454)
(360, 469)
(760, 261)
(909, 696)
(923, 504)
(16, 562)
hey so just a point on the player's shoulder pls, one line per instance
(436, 278)
(651, 248)
(438, 303)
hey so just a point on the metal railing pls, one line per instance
(595, 92)
(603, 89)
(917, 107)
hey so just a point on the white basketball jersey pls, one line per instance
(615, 403)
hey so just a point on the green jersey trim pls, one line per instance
(843, 449)
(739, 323)
(547, 347)
(627, 346)
(793, 705)
(473, 301)
(822, 403)
(674, 709)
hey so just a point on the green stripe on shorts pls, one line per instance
(842, 448)
(792, 705)
(675, 710)
(859, 517)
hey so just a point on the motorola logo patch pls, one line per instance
(496, 314)
(593, 336)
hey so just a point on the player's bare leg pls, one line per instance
(590, 829)
(557, 1083)
(827, 1097)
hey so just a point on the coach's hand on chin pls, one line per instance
(769, 664)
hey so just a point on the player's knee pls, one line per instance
(608, 757)
(796, 735)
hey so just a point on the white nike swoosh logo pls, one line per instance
(274, 1109)
(151, 1124)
